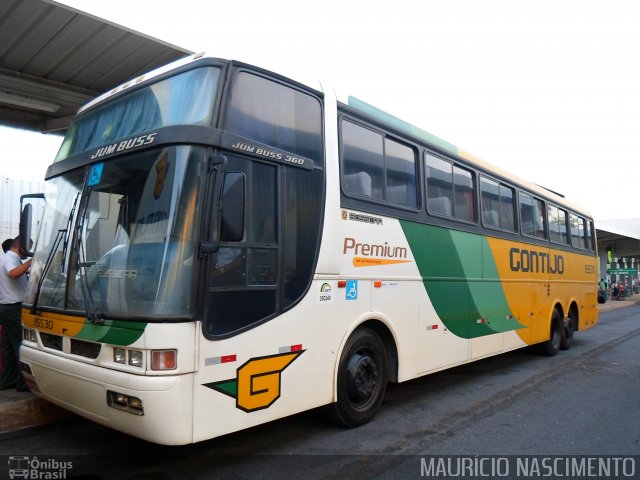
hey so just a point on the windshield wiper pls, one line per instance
(61, 236)
(67, 231)
(93, 315)
(45, 269)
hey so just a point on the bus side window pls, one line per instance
(532, 216)
(377, 167)
(362, 161)
(498, 204)
(400, 172)
(578, 231)
(557, 225)
(439, 186)
(507, 208)
(590, 237)
(450, 189)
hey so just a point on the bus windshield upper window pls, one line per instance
(277, 115)
(186, 99)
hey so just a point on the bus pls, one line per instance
(223, 246)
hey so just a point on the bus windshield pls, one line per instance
(185, 99)
(130, 250)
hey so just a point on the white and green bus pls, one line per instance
(222, 246)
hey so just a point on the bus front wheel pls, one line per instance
(362, 379)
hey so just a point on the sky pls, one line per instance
(548, 90)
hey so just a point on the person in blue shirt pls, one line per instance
(13, 288)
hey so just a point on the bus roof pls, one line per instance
(374, 112)
(146, 76)
(313, 83)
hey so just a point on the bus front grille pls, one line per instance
(51, 341)
(85, 349)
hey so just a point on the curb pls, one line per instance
(22, 410)
(616, 304)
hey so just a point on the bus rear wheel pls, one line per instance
(567, 331)
(552, 346)
(362, 379)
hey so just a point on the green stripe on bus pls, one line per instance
(228, 387)
(115, 332)
(461, 279)
(490, 297)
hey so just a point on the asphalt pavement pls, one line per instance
(23, 410)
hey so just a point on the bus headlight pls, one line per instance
(29, 335)
(119, 355)
(135, 358)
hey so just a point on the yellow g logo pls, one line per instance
(257, 383)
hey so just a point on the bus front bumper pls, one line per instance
(154, 408)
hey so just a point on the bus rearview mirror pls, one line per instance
(25, 230)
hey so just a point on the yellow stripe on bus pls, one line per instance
(536, 278)
(65, 325)
(374, 262)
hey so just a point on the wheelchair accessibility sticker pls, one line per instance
(95, 175)
(352, 290)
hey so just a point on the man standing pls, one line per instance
(13, 288)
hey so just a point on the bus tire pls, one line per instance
(362, 379)
(552, 346)
(566, 340)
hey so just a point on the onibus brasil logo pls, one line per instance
(257, 382)
(32, 467)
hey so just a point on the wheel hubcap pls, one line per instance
(556, 337)
(362, 378)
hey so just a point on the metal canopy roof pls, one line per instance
(54, 59)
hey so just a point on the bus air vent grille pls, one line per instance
(51, 341)
(85, 349)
